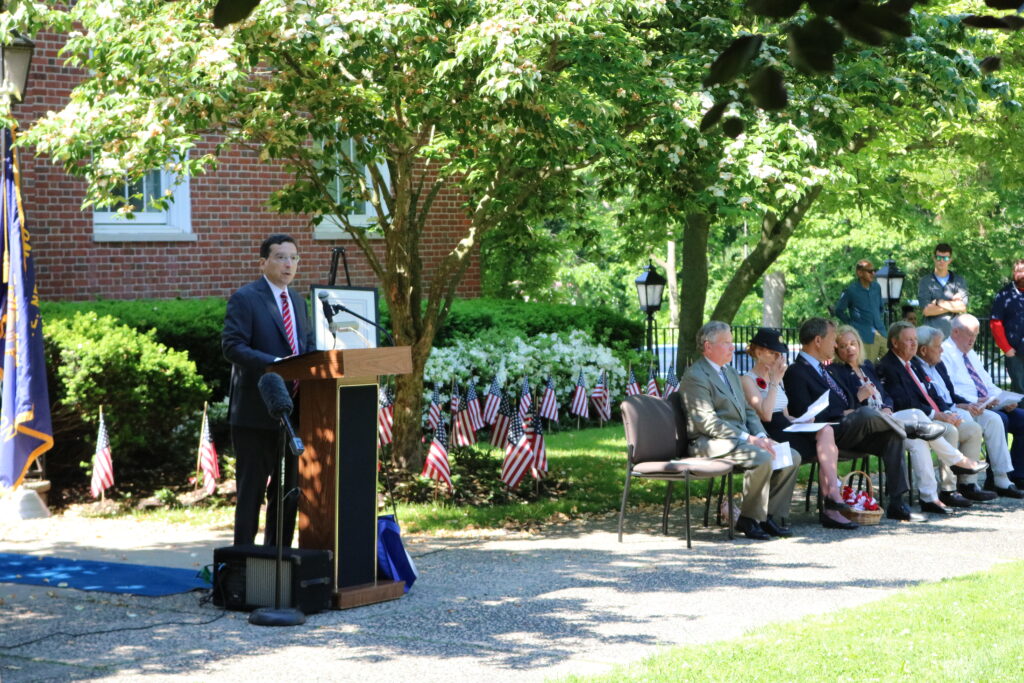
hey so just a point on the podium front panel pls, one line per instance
(357, 485)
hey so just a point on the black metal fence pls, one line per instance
(665, 340)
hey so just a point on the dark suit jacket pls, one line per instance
(804, 385)
(848, 380)
(901, 387)
(253, 337)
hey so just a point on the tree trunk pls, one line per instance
(693, 286)
(775, 233)
(774, 297)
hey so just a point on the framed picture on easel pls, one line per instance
(344, 317)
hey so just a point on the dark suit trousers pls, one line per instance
(863, 430)
(1013, 422)
(257, 456)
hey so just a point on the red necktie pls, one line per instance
(920, 387)
(289, 326)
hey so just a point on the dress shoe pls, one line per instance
(751, 528)
(929, 431)
(934, 508)
(901, 513)
(978, 467)
(972, 492)
(832, 504)
(830, 523)
(1010, 491)
(773, 528)
(954, 499)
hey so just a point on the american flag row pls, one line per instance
(103, 462)
(515, 421)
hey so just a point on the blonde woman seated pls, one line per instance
(859, 378)
(763, 389)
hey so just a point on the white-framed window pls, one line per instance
(149, 223)
(361, 213)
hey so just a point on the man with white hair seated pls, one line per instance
(929, 352)
(976, 389)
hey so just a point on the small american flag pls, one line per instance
(473, 404)
(102, 464)
(500, 429)
(385, 416)
(632, 387)
(600, 398)
(462, 425)
(549, 403)
(453, 405)
(207, 458)
(652, 384)
(525, 400)
(493, 402)
(434, 411)
(436, 467)
(671, 382)
(578, 405)
(540, 451)
(518, 453)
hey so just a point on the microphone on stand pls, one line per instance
(344, 309)
(279, 405)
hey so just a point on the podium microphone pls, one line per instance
(279, 405)
(328, 311)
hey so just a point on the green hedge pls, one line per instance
(151, 396)
(194, 325)
(190, 325)
(473, 318)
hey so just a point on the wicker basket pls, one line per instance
(862, 517)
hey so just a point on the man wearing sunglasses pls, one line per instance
(942, 293)
(860, 305)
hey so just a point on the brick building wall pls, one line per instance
(228, 220)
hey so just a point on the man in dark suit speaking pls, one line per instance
(265, 321)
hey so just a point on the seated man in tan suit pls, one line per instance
(722, 424)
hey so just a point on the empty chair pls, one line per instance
(657, 448)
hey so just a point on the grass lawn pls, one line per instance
(962, 629)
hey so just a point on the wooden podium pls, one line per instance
(338, 470)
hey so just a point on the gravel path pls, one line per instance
(487, 607)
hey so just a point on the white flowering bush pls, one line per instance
(562, 355)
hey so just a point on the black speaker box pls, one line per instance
(244, 578)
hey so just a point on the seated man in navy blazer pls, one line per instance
(857, 428)
(721, 424)
(265, 321)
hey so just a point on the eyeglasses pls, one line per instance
(942, 258)
(285, 258)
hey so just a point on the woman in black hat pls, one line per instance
(762, 386)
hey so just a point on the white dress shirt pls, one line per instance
(962, 382)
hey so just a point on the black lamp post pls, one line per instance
(650, 288)
(15, 60)
(890, 280)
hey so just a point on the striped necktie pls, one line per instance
(920, 387)
(289, 325)
(832, 383)
(976, 378)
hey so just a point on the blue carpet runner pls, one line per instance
(107, 577)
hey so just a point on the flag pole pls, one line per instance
(103, 492)
(199, 450)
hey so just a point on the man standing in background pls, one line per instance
(265, 322)
(1007, 325)
(942, 293)
(860, 305)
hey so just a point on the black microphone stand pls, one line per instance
(281, 616)
(344, 309)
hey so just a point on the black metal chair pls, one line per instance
(657, 448)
